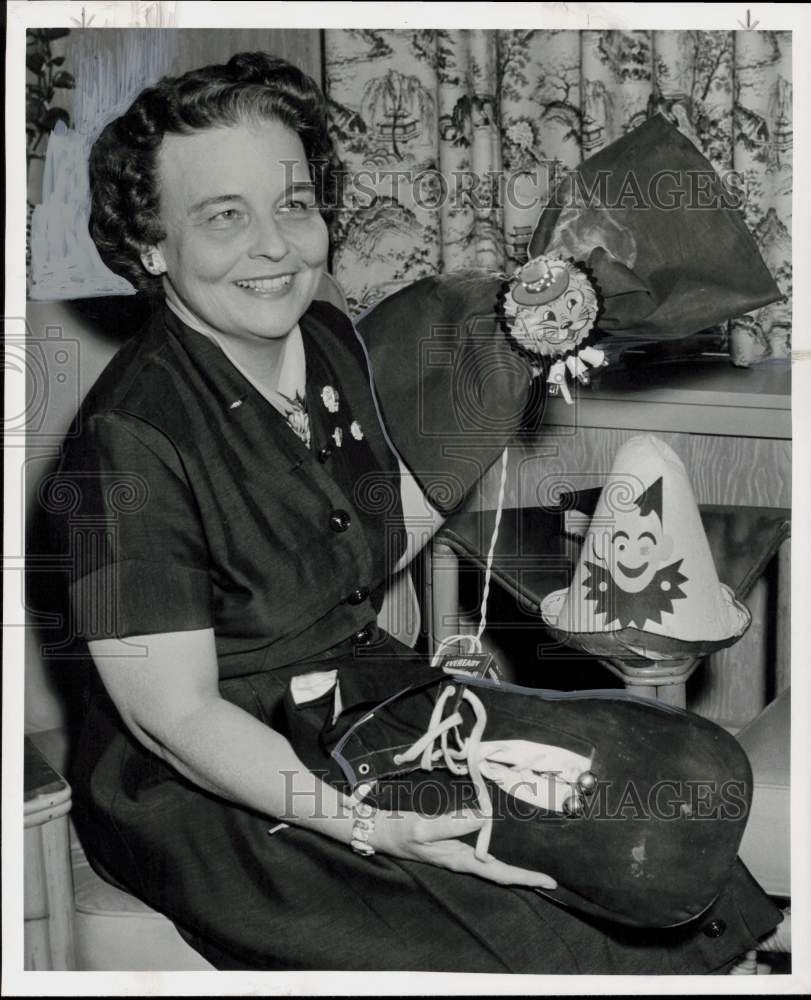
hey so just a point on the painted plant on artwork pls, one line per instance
(64, 261)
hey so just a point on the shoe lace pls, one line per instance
(464, 759)
(467, 750)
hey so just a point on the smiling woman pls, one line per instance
(244, 245)
(247, 555)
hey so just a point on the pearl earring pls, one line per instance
(154, 263)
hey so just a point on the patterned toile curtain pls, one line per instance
(451, 139)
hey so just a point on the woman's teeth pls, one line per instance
(267, 284)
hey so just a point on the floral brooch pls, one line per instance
(330, 398)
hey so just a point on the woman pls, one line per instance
(246, 552)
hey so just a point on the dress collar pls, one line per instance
(292, 365)
(231, 379)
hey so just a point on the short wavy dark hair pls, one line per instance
(125, 196)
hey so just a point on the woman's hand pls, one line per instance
(435, 841)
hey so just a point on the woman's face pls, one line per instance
(245, 243)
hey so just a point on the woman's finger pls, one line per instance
(461, 857)
(499, 871)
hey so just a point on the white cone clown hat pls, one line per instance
(646, 575)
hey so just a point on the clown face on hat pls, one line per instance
(646, 562)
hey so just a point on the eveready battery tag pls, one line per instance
(472, 664)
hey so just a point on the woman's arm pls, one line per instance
(170, 701)
(169, 698)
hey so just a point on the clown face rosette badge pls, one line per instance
(550, 307)
(646, 583)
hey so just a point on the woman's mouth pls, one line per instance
(266, 286)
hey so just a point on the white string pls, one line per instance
(468, 750)
(475, 646)
(493, 540)
(475, 640)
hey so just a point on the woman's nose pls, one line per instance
(565, 324)
(269, 239)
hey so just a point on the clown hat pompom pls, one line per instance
(646, 575)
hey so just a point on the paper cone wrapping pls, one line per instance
(646, 564)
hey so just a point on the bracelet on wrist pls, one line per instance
(363, 822)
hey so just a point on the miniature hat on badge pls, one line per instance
(646, 583)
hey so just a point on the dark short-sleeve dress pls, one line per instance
(194, 505)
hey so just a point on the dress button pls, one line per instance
(363, 637)
(324, 454)
(339, 520)
(715, 928)
(358, 596)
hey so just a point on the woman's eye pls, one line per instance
(226, 215)
(296, 205)
(571, 303)
(549, 316)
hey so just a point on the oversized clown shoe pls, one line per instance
(646, 584)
